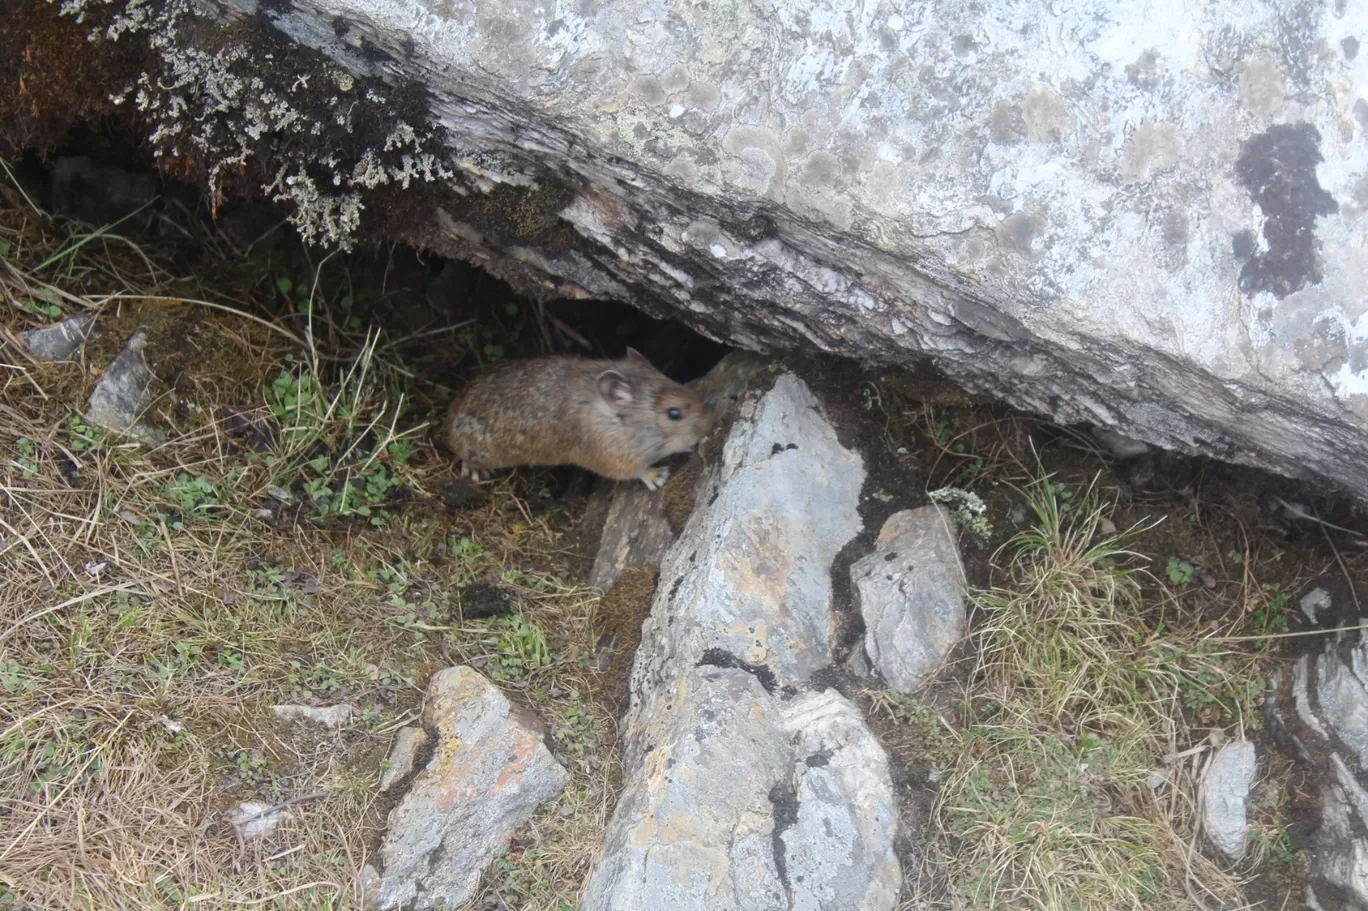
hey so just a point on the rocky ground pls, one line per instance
(234, 562)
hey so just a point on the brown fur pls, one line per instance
(611, 417)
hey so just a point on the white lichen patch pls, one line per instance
(221, 108)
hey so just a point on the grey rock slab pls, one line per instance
(751, 803)
(402, 755)
(124, 393)
(61, 340)
(1320, 708)
(1153, 225)
(769, 519)
(1225, 794)
(487, 775)
(742, 791)
(910, 593)
(838, 851)
(332, 716)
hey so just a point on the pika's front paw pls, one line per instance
(655, 478)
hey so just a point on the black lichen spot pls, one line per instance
(1243, 244)
(717, 657)
(818, 759)
(374, 53)
(1350, 46)
(341, 28)
(784, 799)
(273, 8)
(1278, 168)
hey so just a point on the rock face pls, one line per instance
(1144, 217)
(909, 592)
(487, 774)
(1225, 791)
(124, 393)
(1321, 709)
(744, 790)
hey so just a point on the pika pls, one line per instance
(615, 418)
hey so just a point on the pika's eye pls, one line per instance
(675, 414)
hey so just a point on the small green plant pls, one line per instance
(966, 509)
(305, 681)
(194, 495)
(1179, 571)
(778, 367)
(519, 648)
(27, 463)
(1271, 614)
(297, 295)
(351, 320)
(83, 437)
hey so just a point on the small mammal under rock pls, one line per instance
(615, 418)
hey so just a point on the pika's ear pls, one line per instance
(636, 357)
(616, 390)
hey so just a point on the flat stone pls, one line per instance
(488, 774)
(332, 716)
(741, 791)
(407, 743)
(1225, 793)
(910, 593)
(254, 819)
(124, 393)
(60, 341)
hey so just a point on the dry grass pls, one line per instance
(1071, 781)
(159, 599)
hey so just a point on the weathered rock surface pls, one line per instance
(742, 790)
(1225, 792)
(634, 531)
(1321, 709)
(62, 340)
(124, 393)
(1144, 217)
(487, 775)
(910, 593)
(403, 754)
(332, 716)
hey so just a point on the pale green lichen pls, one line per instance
(966, 509)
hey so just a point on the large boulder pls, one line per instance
(1148, 217)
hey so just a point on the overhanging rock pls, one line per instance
(1146, 216)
